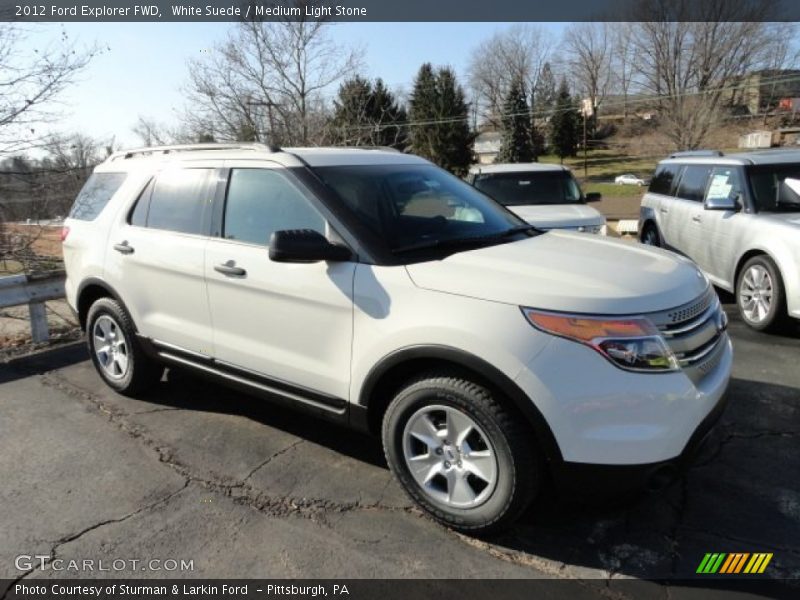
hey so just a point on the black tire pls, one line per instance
(650, 236)
(141, 371)
(518, 464)
(776, 316)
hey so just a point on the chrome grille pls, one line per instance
(694, 332)
(694, 309)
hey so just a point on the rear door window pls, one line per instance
(664, 180)
(693, 182)
(94, 196)
(179, 201)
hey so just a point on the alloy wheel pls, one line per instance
(755, 293)
(449, 456)
(110, 347)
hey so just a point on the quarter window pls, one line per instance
(95, 194)
(693, 183)
(261, 202)
(179, 200)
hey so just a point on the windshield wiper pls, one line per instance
(461, 242)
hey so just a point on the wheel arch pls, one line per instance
(752, 253)
(385, 378)
(90, 291)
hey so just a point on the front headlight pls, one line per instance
(633, 344)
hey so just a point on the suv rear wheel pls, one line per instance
(460, 454)
(650, 235)
(115, 351)
(760, 294)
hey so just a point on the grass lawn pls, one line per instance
(612, 190)
(604, 165)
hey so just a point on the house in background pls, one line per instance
(487, 146)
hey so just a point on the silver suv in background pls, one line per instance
(546, 196)
(738, 217)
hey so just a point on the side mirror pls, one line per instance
(304, 246)
(726, 203)
(594, 197)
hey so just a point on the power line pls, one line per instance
(534, 114)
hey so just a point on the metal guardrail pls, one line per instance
(34, 290)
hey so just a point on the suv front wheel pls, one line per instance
(760, 294)
(460, 453)
(115, 351)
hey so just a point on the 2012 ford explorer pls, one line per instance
(374, 289)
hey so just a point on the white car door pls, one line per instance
(156, 257)
(291, 324)
(685, 211)
(719, 230)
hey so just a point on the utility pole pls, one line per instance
(269, 106)
(587, 110)
(585, 168)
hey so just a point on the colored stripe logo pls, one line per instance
(734, 563)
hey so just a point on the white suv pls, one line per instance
(546, 196)
(374, 289)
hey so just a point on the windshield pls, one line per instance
(530, 187)
(416, 206)
(776, 188)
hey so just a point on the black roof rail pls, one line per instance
(697, 153)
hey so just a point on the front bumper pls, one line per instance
(602, 415)
(599, 482)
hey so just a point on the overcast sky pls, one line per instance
(143, 65)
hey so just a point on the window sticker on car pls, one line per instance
(793, 184)
(720, 187)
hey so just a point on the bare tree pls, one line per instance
(692, 61)
(517, 53)
(151, 132)
(266, 82)
(31, 82)
(587, 50)
(622, 61)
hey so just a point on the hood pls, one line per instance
(566, 271)
(556, 216)
(788, 218)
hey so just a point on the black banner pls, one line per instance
(399, 10)
(381, 589)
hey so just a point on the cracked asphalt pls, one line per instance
(245, 489)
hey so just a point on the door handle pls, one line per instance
(663, 210)
(229, 269)
(123, 248)
(696, 218)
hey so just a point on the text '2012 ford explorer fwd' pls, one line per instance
(375, 289)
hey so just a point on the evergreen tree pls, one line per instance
(367, 115)
(422, 109)
(352, 111)
(440, 115)
(565, 124)
(517, 141)
(391, 117)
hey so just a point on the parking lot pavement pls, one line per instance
(244, 489)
